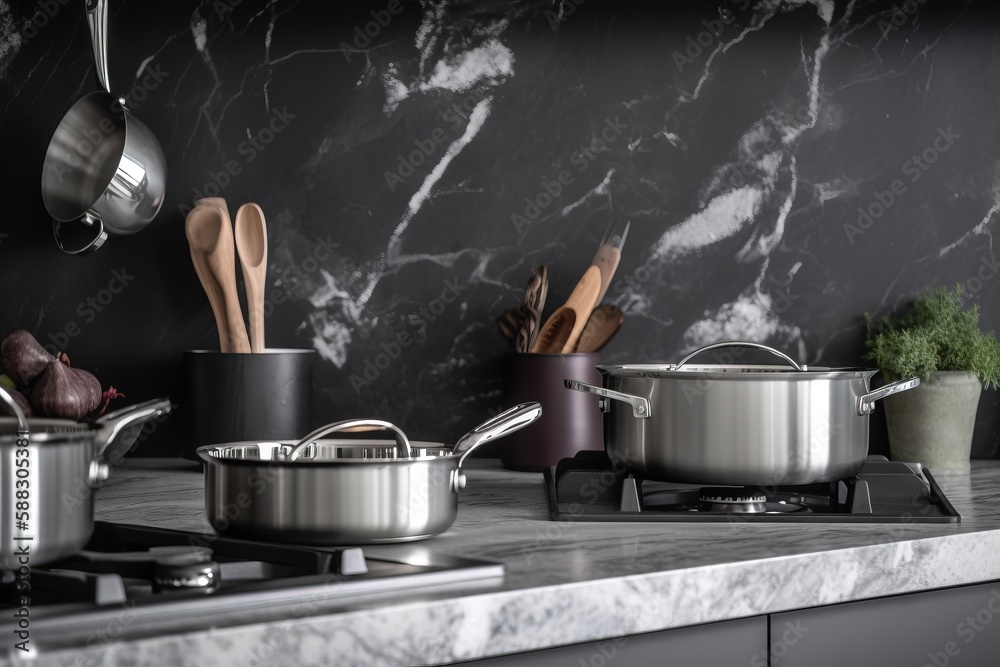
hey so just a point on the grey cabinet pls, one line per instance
(955, 627)
(723, 644)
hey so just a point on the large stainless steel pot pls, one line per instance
(48, 471)
(731, 424)
(341, 492)
(104, 169)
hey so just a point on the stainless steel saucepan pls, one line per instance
(104, 170)
(48, 471)
(341, 492)
(732, 424)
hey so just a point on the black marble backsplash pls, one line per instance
(786, 167)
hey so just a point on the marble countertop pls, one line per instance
(565, 583)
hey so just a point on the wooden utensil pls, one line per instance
(510, 322)
(528, 331)
(218, 201)
(603, 324)
(554, 334)
(609, 254)
(210, 237)
(251, 243)
(572, 315)
(534, 305)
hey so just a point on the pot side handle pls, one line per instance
(866, 402)
(640, 405)
(89, 219)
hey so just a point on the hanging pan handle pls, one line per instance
(866, 402)
(347, 425)
(739, 343)
(97, 20)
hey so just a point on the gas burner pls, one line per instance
(184, 569)
(733, 500)
(588, 488)
(172, 581)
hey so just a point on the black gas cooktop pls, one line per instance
(586, 488)
(141, 581)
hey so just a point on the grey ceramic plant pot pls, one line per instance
(933, 423)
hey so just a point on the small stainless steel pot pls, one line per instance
(745, 425)
(104, 169)
(341, 492)
(52, 466)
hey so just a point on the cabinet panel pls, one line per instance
(952, 627)
(722, 644)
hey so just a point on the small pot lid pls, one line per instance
(324, 451)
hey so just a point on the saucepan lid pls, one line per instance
(314, 450)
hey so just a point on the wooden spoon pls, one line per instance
(251, 243)
(210, 236)
(566, 324)
(218, 201)
(603, 324)
(554, 334)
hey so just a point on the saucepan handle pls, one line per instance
(503, 424)
(738, 343)
(112, 424)
(866, 402)
(351, 425)
(640, 405)
(90, 219)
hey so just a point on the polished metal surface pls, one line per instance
(343, 492)
(61, 475)
(739, 425)
(330, 502)
(104, 169)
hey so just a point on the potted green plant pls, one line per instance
(940, 341)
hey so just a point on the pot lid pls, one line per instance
(325, 451)
(683, 368)
(732, 370)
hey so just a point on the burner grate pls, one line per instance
(586, 488)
